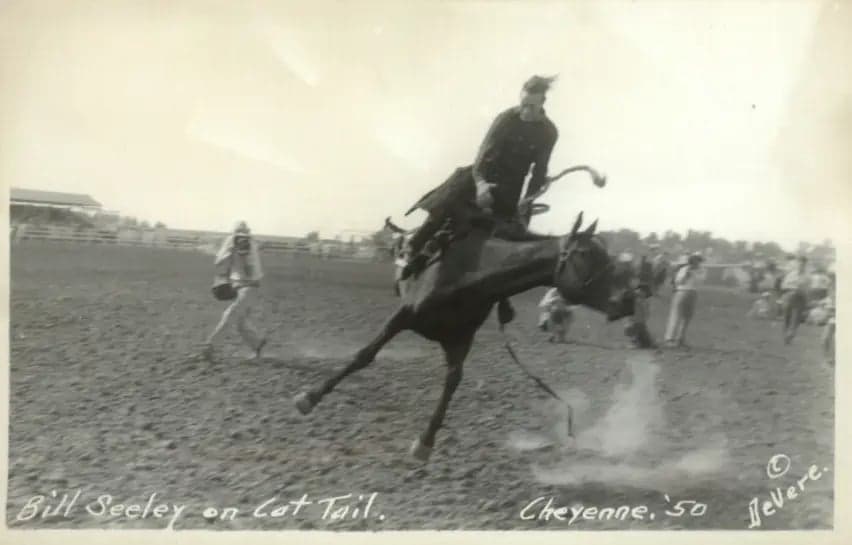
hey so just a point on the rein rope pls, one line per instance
(564, 257)
(541, 384)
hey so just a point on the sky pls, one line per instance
(732, 117)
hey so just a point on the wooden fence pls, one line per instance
(203, 241)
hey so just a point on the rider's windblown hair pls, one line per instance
(539, 84)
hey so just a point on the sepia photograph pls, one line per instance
(465, 266)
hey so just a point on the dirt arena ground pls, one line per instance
(107, 400)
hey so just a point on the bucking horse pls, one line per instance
(450, 299)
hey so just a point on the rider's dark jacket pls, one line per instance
(509, 149)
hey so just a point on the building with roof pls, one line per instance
(76, 202)
(36, 207)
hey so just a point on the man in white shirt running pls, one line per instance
(238, 261)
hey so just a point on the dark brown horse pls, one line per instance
(451, 299)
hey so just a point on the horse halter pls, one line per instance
(567, 251)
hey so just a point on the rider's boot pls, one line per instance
(422, 246)
(418, 261)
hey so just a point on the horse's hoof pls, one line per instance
(304, 403)
(420, 451)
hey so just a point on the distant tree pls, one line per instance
(651, 238)
(824, 253)
(144, 225)
(671, 239)
(723, 250)
(129, 221)
(160, 225)
(625, 240)
(697, 241)
(313, 236)
(769, 250)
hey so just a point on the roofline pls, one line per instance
(55, 203)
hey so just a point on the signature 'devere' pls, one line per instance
(777, 467)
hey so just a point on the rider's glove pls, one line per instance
(484, 198)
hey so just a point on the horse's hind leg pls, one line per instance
(455, 353)
(306, 401)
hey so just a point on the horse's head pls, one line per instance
(587, 274)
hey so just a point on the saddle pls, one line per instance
(411, 261)
(453, 214)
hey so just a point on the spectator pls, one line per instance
(684, 301)
(819, 285)
(646, 271)
(794, 297)
(661, 268)
(556, 315)
(828, 330)
(637, 328)
(764, 307)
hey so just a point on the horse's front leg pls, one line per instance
(455, 354)
(306, 401)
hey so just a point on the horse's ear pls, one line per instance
(577, 224)
(590, 230)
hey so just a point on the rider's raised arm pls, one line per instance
(490, 150)
(539, 175)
